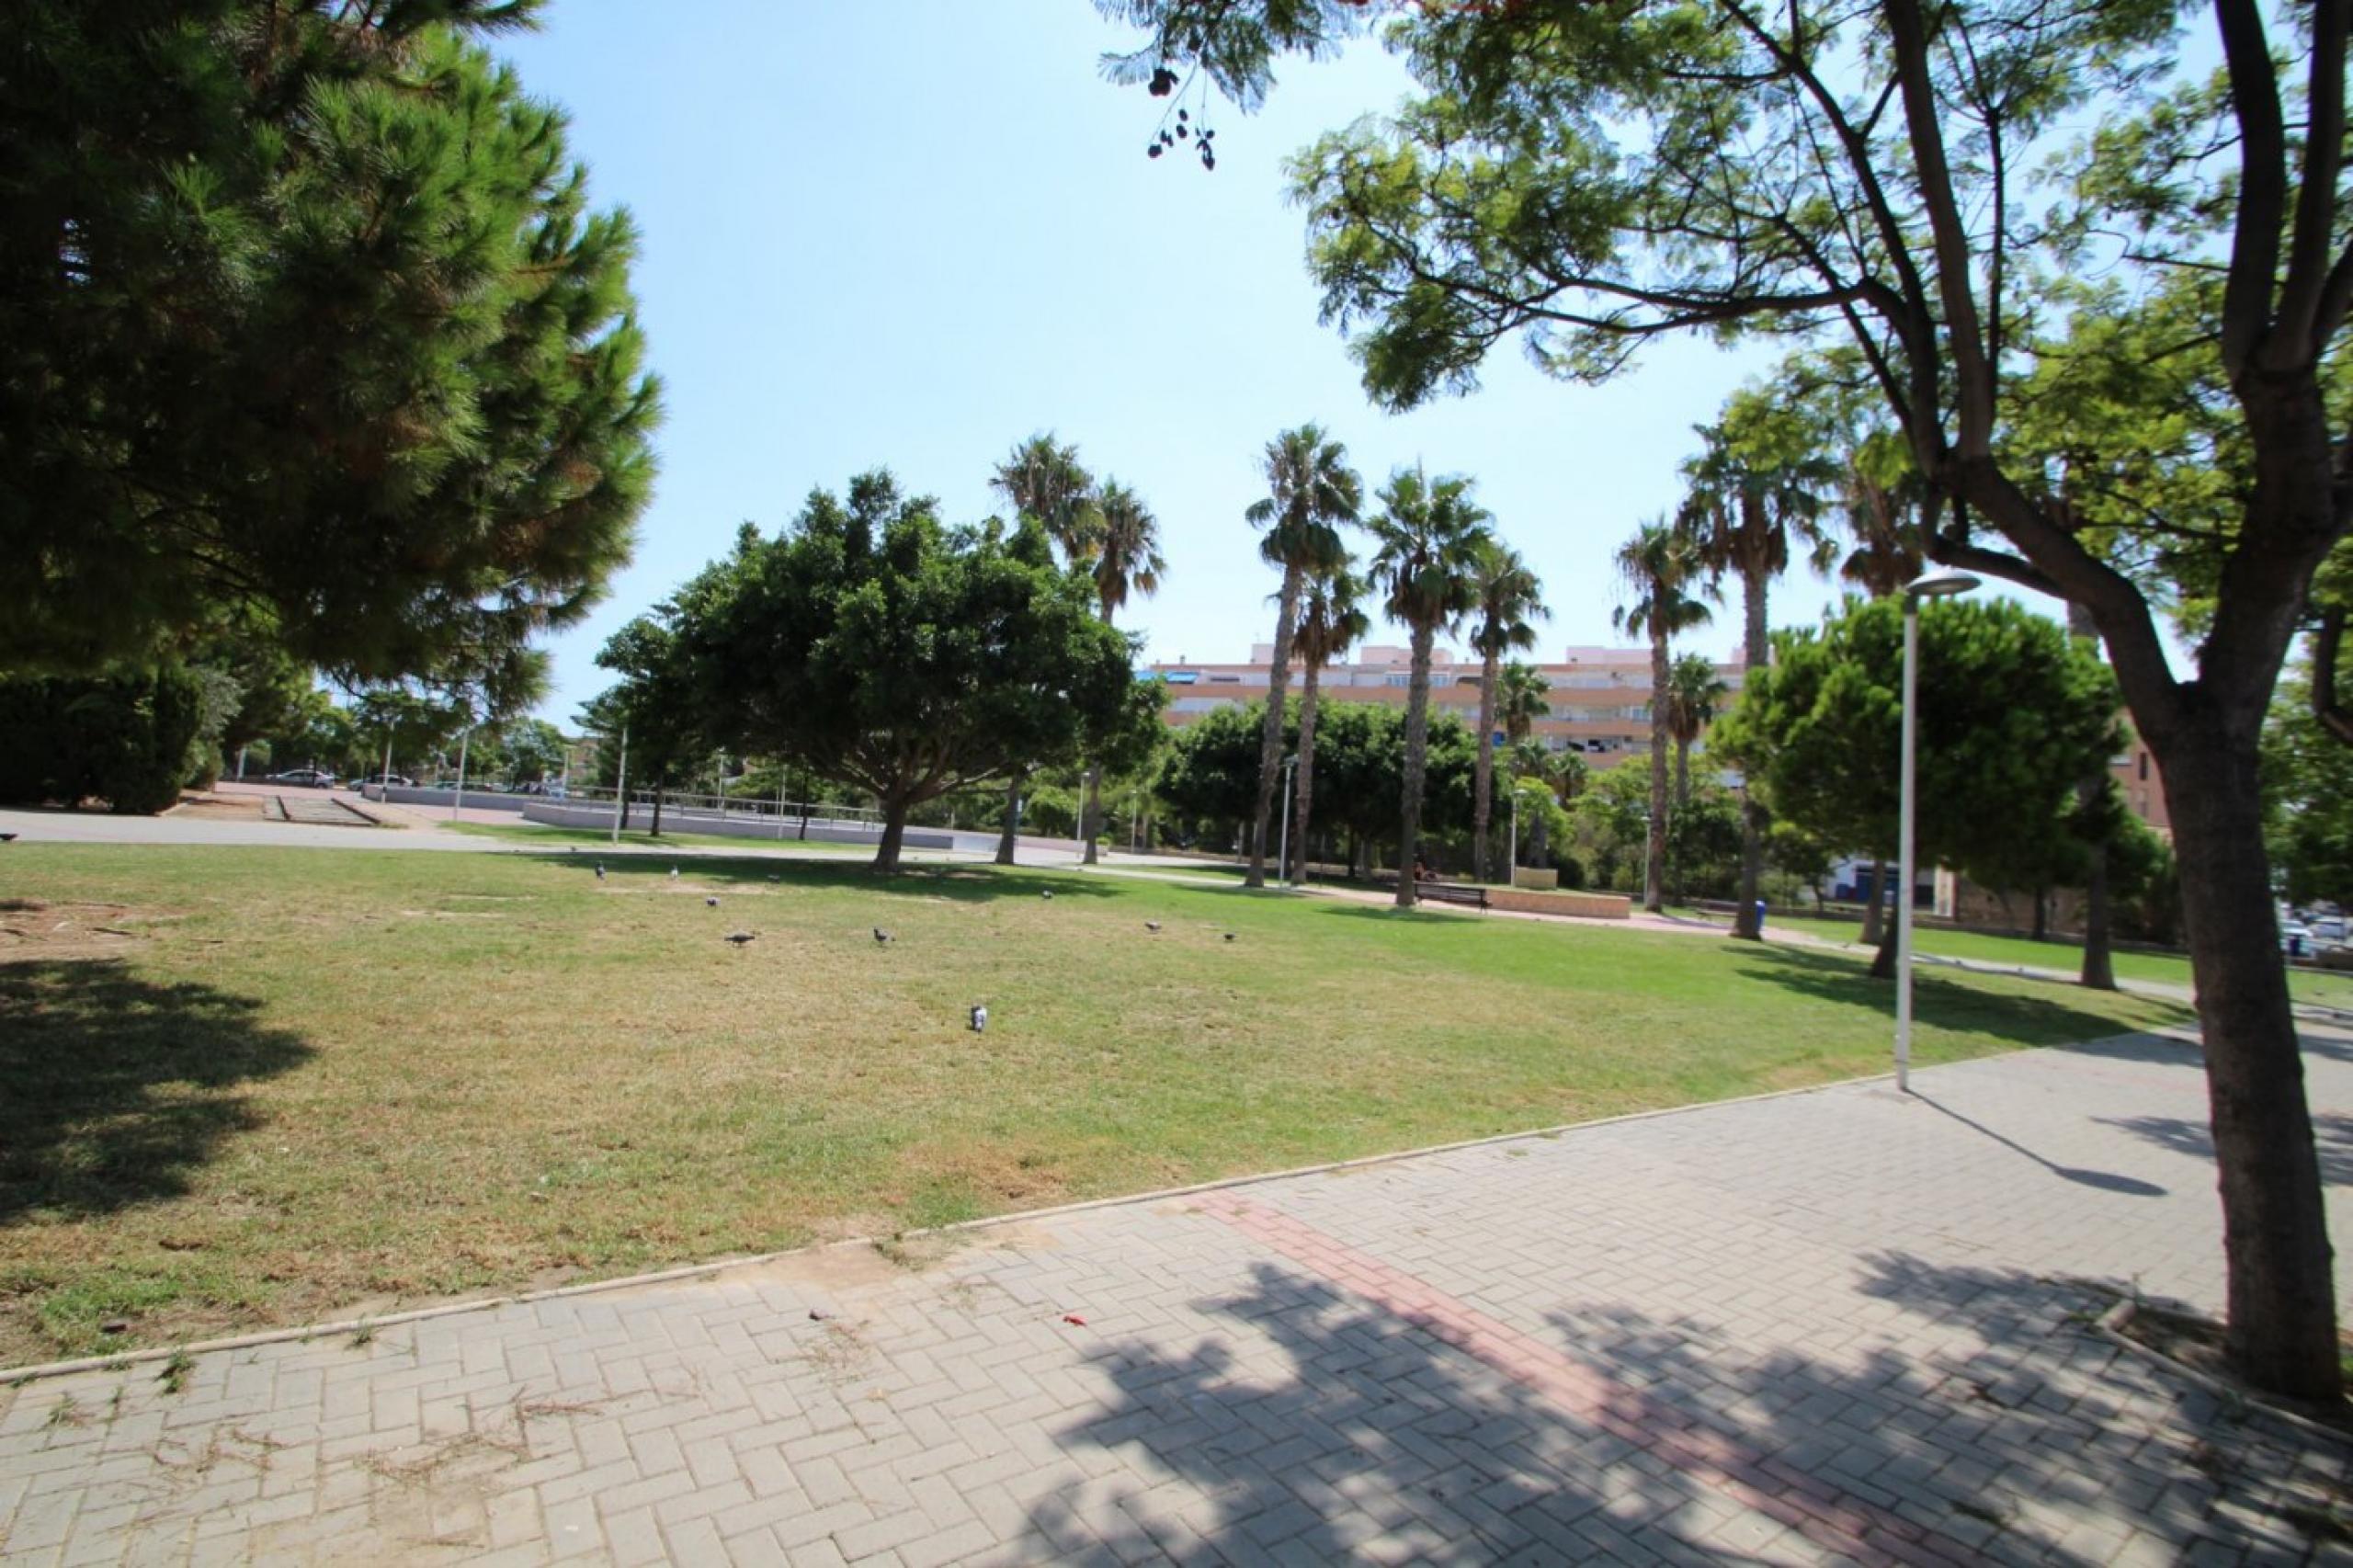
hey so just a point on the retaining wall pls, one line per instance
(1581, 906)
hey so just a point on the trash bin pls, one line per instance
(1760, 917)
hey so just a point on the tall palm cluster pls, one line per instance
(1435, 563)
(1101, 527)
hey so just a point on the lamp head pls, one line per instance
(1942, 583)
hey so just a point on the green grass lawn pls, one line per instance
(260, 1087)
(2331, 990)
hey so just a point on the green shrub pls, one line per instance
(123, 738)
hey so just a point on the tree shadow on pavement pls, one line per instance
(2332, 1138)
(1936, 1001)
(1319, 1426)
(114, 1088)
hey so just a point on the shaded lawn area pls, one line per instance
(2332, 990)
(312, 1083)
(634, 837)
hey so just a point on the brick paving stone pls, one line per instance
(1836, 1327)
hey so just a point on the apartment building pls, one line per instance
(1600, 696)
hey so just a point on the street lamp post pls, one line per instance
(1284, 872)
(1511, 873)
(1942, 583)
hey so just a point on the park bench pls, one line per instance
(1452, 892)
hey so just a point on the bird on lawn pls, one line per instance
(673, 873)
(880, 936)
(7, 838)
(600, 870)
(1229, 935)
(740, 938)
(1152, 924)
(1046, 894)
(711, 903)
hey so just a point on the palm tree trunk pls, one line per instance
(1090, 815)
(1012, 812)
(1655, 860)
(1682, 799)
(1483, 773)
(1756, 644)
(1271, 740)
(1305, 794)
(1418, 737)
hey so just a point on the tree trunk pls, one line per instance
(1305, 784)
(656, 831)
(1271, 739)
(1483, 778)
(2042, 915)
(1875, 906)
(1090, 815)
(1012, 818)
(895, 833)
(1755, 652)
(1359, 856)
(1682, 804)
(2283, 1326)
(1883, 960)
(1417, 736)
(1654, 859)
(2099, 961)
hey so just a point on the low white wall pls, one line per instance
(418, 795)
(598, 816)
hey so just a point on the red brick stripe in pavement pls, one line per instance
(1815, 1509)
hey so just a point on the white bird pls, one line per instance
(979, 1019)
(673, 873)
(1046, 894)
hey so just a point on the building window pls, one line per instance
(2145, 767)
(1405, 679)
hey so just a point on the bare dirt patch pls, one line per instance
(36, 928)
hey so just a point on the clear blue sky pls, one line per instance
(913, 234)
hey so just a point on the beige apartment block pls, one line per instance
(1600, 696)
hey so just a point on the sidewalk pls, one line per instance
(1837, 1326)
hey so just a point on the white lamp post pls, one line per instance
(1942, 583)
(1282, 871)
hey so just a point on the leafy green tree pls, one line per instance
(534, 750)
(1310, 493)
(2011, 715)
(1587, 179)
(897, 655)
(1661, 566)
(405, 723)
(2308, 794)
(1509, 597)
(658, 705)
(1331, 622)
(1759, 489)
(304, 321)
(1430, 536)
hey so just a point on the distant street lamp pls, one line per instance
(1282, 873)
(1943, 583)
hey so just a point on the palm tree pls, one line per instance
(1507, 596)
(1757, 489)
(1523, 695)
(1331, 622)
(1430, 538)
(1127, 559)
(1044, 479)
(1693, 688)
(1661, 565)
(1311, 491)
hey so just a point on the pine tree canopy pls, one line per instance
(305, 324)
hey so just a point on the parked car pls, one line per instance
(394, 779)
(2328, 930)
(304, 778)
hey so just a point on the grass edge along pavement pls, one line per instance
(318, 1083)
(900, 1242)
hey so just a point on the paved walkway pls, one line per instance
(1834, 1326)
